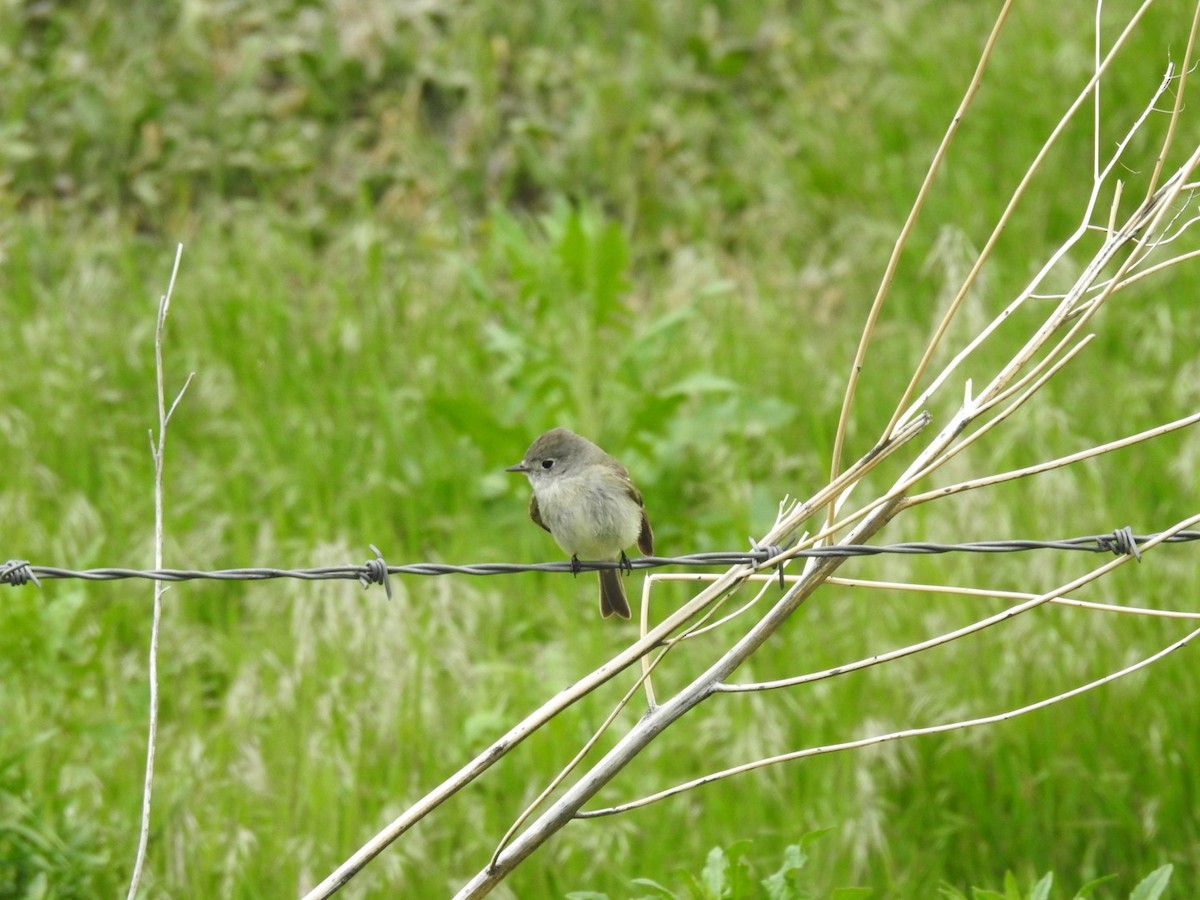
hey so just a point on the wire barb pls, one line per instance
(1121, 542)
(770, 551)
(375, 571)
(16, 572)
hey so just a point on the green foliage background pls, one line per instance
(418, 234)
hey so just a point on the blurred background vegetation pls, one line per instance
(417, 234)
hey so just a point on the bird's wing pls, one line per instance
(645, 540)
(536, 514)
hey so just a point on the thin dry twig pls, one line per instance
(1030, 601)
(893, 736)
(993, 593)
(591, 742)
(910, 223)
(900, 414)
(1111, 446)
(157, 451)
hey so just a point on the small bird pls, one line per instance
(584, 498)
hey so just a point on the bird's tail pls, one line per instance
(612, 594)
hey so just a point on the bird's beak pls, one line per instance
(519, 467)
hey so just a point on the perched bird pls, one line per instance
(584, 498)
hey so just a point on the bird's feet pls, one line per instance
(626, 565)
(575, 567)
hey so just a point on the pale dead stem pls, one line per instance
(157, 451)
(902, 239)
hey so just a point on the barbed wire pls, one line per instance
(376, 571)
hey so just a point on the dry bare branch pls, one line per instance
(157, 450)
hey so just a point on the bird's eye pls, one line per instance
(547, 464)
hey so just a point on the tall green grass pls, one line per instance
(417, 236)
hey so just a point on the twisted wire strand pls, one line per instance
(376, 571)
